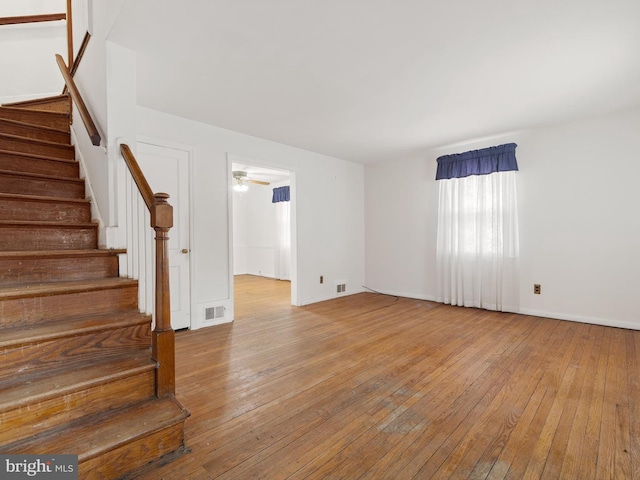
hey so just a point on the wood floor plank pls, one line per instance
(376, 387)
(440, 460)
(561, 385)
(589, 456)
(478, 451)
(558, 447)
(441, 392)
(400, 418)
(573, 452)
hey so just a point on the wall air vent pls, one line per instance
(213, 313)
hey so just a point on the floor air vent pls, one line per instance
(213, 313)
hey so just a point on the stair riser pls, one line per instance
(58, 104)
(17, 163)
(21, 423)
(133, 456)
(25, 146)
(29, 311)
(24, 270)
(45, 355)
(44, 211)
(35, 133)
(57, 121)
(26, 185)
(22, 237)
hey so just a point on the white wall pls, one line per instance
(329, 207)
(240, 233)
(28, 67)
(254, 232)
(578, 206)
(106, 79)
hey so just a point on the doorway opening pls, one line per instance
(262, 232)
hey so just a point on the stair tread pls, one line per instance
(42, 176)
(36, 156)
(13, 108)
(48, 143)
(44, 223)
(53, 383)
(63, 288)
(34, 126)
(92, 436)
(43, 198)
(61, 253)
(37, 101)
(24, 335)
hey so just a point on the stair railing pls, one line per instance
(48, 17)
(89, 124)
(161, 220)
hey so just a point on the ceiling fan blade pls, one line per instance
(258, 182)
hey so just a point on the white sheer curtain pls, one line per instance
(282, 268)
(477, 242)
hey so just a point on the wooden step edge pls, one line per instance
(43, 198)
(33, 126)
(64, 288)
(98, 434)
(33, 111)
(43, 143)
(20, 336)
(170, 412)
(35, 156)
(38, 101)
(60, 382)
(37, 254)
(40, 176)
(46, 224)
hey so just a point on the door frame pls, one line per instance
(189, 151)
(235, 158)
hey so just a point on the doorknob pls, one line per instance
(185, 250)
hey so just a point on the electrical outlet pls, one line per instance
(536, 288)
(321, 278)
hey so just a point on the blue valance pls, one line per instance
(281, 194)
(501, 158)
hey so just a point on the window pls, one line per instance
(477, 238)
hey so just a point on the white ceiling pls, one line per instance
(371, 80)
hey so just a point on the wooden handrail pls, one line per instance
(77, 99)
(69, 35)
(138, 176)
(49, 17)
(83, 47)
(78, 59)
(163, 336)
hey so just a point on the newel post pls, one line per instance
(163, 336)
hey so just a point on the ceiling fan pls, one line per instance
(241, 179)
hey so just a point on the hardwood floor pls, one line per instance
(373, 387)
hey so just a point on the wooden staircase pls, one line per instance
(76, 374)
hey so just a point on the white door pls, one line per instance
(167, 170)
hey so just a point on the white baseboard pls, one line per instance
(415, 296)
(309, 301)
(606, 322)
